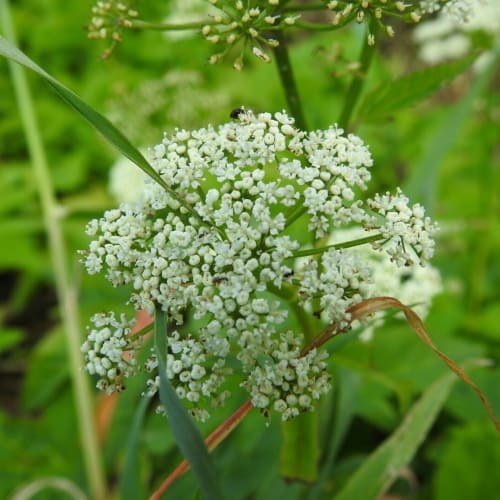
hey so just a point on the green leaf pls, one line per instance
(373, 478)
(186, 434)
(409, 89)
(299, 452)
(9, 337)
(47, 371)
(131, 486)
(464, 464)
(342, 412)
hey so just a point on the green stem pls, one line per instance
(304, 321)
(145, 25)
(66, 290)
(304, 8)
(288, 81)
(338, 246)
(359, 79)
(306, 25)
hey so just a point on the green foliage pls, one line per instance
(457, 478)
(300, 448)
(378, 472)
(409, 89)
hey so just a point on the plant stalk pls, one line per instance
(66, 291)
(288, 81)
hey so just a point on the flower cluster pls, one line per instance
(363, 11)
(459, 10)
(445, 38)
(218, 245)
(239, 23)
(406, 230)
(292, 381)
(196, 370)
(235, 25)
(109, 19)
(109, 352)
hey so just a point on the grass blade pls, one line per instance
(101, 123)
(377, 473)
(299, 452)
(98, 121)
(185, 432)
(130, 484)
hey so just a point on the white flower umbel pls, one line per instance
(245, 202)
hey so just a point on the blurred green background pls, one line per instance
(445, 151)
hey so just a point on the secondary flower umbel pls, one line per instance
(218, 251)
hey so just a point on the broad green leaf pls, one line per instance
(185, 432)
(409, 89)
(376, 475)
(300, 449)
(131, 486)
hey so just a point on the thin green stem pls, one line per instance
(337, 246)
(306, 25)
(66, 290)
(304, 322)
(304, 8)
(295, 215)
(359, 78)
(288, 81)
(289, 295)
(145, 25)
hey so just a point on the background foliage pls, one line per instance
(444, 149)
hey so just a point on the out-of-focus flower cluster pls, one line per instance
(179, 97)
(245, 202)
(460, 10)
(446, 38)
(109, 20)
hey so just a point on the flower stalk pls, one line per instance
(288, 82)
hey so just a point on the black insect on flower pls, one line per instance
(235, 113)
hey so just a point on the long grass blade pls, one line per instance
(186, 434)
(377, 473)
